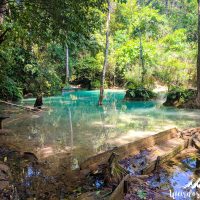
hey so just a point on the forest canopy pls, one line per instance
(34, 36)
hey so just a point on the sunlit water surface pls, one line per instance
(73, 122)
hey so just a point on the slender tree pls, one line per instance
(67, 65)
(198, 57)
(166, 6)
(105, 55)
(3, 9)
(142, 58)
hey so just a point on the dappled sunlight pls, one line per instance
(48, 151)
(160, 88)
(127, 118)
(131, 136)
(103, 124)
(85, 83)
(83, 129)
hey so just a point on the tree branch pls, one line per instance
(2, 36)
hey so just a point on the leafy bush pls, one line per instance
(133, 80)
(95, 84)
(139, 94)
(178, 96)
(9, 89)
(133, 84)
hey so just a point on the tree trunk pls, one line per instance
(138, 2)
(105, 55)
(198, 57)
(38, 102)
(2, 36)
(166, 6)
(142, 59)
(3, 7)
(67, 65)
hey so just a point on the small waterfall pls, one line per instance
(161, 91)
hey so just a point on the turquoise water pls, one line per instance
(74, 124)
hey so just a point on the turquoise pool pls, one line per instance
(75, 124)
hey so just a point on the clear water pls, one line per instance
(177, 176)
(74, 124)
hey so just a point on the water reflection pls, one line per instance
(75, 124)
(178, 176)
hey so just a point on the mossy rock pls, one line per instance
(180, 97)
(139, 94)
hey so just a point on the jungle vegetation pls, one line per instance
(138, 43)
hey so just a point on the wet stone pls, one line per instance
(27, 176)
(5, 132)
(190, 132)
(135, 164)
(4, 169)
(7, 190)
(4, 185)
(140, 189)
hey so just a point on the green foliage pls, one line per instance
(133, 79)
(141, 194)
(178, 96)
(95, 84)
(9, 89)
(58, 20)
(175, 41)
(33, 54)
(181, 94)
(168, 56)
(87, 67)
(30, 71)
(139, 94)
